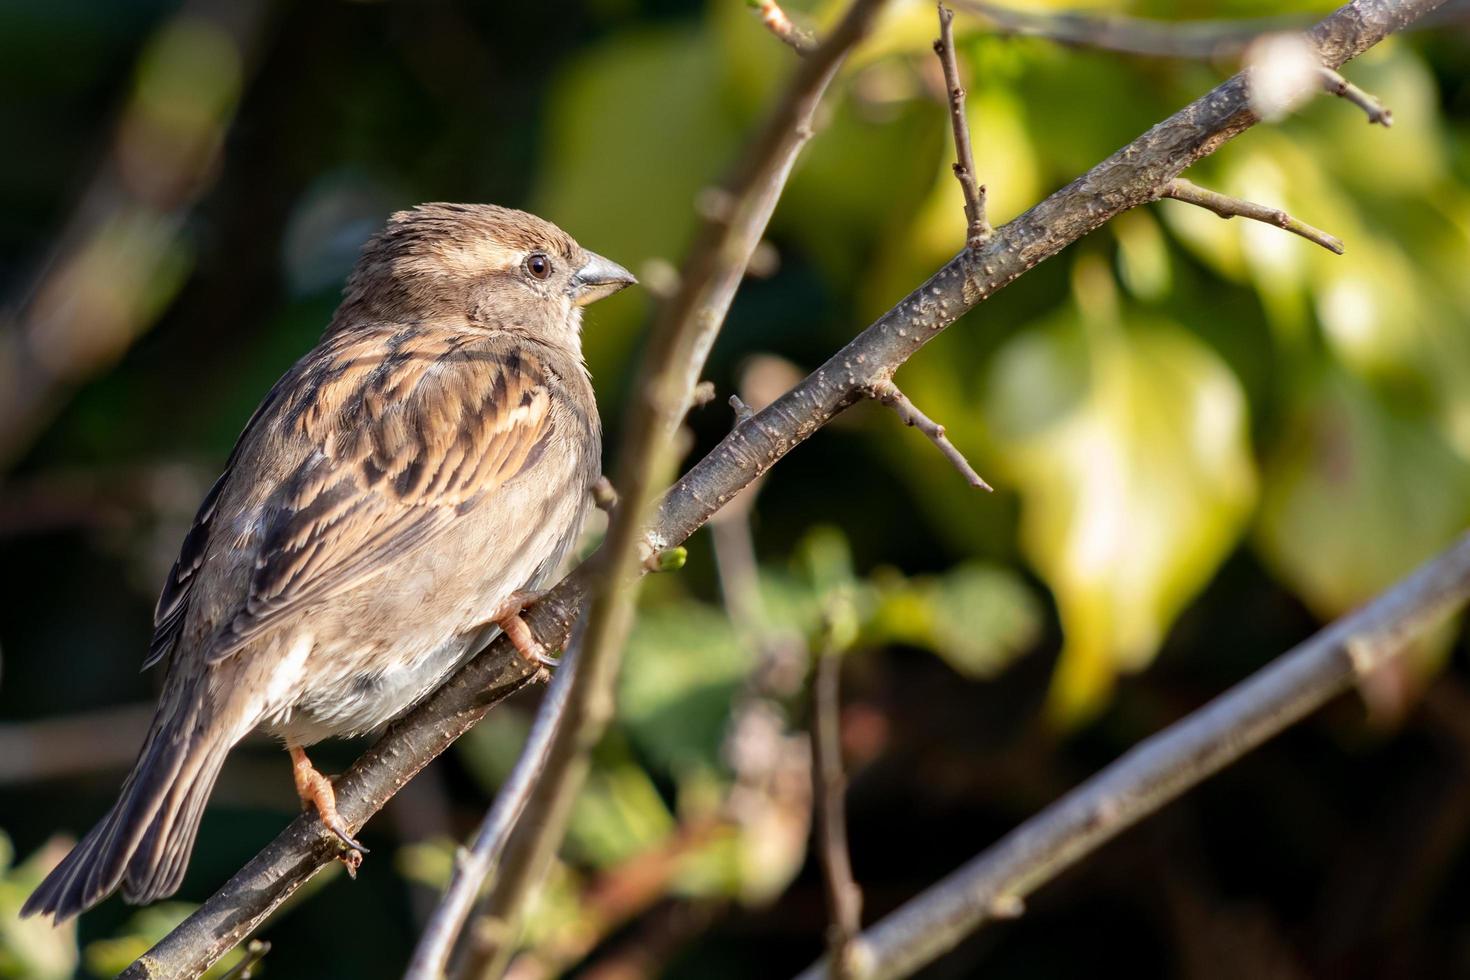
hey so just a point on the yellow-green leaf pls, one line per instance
(1129, 449)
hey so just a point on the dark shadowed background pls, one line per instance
(1207, 438)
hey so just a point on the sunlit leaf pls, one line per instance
(1128, 447)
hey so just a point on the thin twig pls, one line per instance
(776, 21)
(888, 393)
(1180, 189)
(1162, 767)
(977, 226)
(1333, 82)
(1132, 176)
(829, 790)
(474, 866)
(255, 951)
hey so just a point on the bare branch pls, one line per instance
(829, 789)
(1344, 89)
(780, 25)
(1132, 176)
(1180, 189)
(1161, 768)
(977, 226)
(887, 392)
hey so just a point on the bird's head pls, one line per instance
(495, 267)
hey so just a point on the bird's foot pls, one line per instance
(316, 790)
(508, 618)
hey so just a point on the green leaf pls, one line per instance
(619, 812)
(684, 665)
(978, 617)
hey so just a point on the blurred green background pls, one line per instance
(1207, 437)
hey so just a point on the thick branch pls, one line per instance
(1132, 176)
(1231, 207)
(1161, 768)
(888, 393)
(977, 226)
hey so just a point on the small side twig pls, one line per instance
(978, 228)
(776, 21)
(1180, 189)
(255, 951)
(1376, 111)
(888, 393)
(829, 785)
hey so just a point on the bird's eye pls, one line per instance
(538, 266)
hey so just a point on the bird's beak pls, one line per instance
(599, 277)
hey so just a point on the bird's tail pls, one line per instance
(143, 843)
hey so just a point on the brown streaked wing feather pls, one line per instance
(418, 430)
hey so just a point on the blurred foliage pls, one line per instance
(31, 949)
(1206, 436)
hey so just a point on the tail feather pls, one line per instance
(143, 843)
(157, 867)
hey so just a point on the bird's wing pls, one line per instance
(404, 434)
(407, 436)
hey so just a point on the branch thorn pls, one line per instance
(889, 394)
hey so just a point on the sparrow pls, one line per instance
(395, 501)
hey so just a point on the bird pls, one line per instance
(399, 496)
